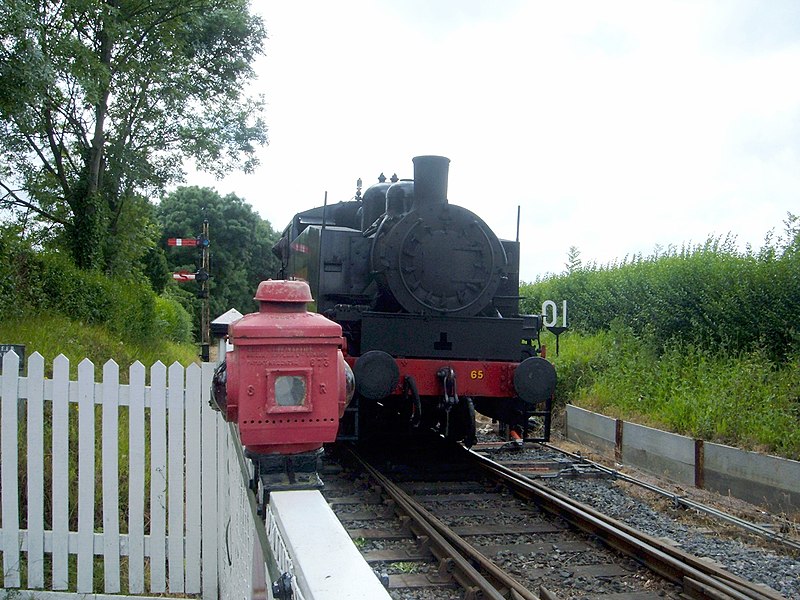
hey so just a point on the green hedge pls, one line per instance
(173, 320)
(34, 282)
(711, 296)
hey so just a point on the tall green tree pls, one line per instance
(102, 101)
(240, 244)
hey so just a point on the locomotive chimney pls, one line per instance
(430, 180)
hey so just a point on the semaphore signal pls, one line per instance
(182, 242)
(184, 276)
(201, 276)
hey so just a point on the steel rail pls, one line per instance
(698, 577)
(447, 540)
(682, 500)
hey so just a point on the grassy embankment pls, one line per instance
(746, 401)
(704, 342)
(53, 308)
(54, 334)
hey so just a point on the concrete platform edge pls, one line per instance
(765, 480)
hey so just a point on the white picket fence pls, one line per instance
(167, 429)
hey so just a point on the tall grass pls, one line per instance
(703, 341)
(746, 400)
(35, 283)
(52, 334)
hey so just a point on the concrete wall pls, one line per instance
(591, 429)
(658, 452)
(758, 478)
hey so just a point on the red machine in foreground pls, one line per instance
(286, 384)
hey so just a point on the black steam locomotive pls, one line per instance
(428, 299)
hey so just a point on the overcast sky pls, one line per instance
(616, 126)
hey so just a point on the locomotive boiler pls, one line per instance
(428, 300)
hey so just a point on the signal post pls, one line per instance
(201, 276)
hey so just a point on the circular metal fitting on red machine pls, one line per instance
(283, 291)
(376, 374)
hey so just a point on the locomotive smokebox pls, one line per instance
(430, 180)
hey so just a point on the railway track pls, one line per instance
(468, 527)
(545, 461)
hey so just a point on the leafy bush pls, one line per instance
(37, 282)
(704, 341)
(711, 296)
(746, 400)
(132, 310)
(580, 360)
(174, 323)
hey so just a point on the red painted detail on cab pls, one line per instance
(301, 248)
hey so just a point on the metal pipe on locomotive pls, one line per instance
(428, 300)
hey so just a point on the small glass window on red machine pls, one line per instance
(289, 391)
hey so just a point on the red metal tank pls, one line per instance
(287, 381)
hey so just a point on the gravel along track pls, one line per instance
(380, 536)
(747, 559)
(743, 554)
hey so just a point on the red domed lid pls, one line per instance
(283, 291)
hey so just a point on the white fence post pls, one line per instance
(175, 474)
(8, 456)
(193, 466)
(86, 421)
(60, 476)
(136, 465)
(110, 441)
(210, 483)
(36, 471)
(191, 482)
(158, 477)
